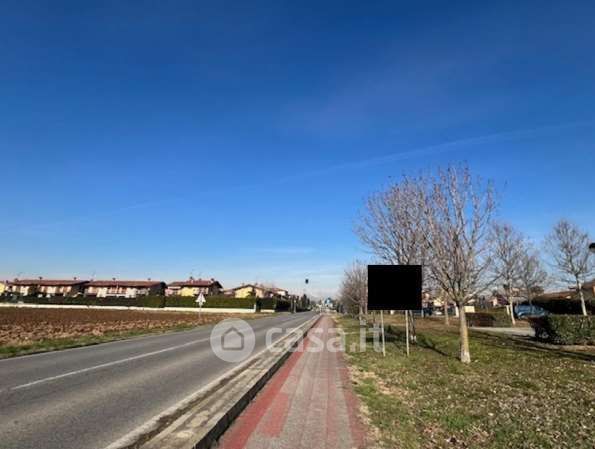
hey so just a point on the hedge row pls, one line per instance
(278, 305)
(143, 301)
(496, 318)
(565, 329)
(215, 302)
(564, 306)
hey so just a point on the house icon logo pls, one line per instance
(232, 340)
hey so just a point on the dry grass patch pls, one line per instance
(513, 394)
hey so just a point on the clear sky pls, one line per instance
(238, 140)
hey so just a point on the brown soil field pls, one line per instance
(24, 327)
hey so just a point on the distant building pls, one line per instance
(124, 289)
(3, 287)
(589, 289)
(280, 291)
(256, 290)
(194, 287)
(588, 293)
(46, 287)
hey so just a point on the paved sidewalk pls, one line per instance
(513, 331)
(308, 403)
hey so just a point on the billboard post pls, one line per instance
(394, 287)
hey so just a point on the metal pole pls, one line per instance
(382, 325)
(407, 331)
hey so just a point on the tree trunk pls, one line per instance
(581, 295)
(511, 305)
(464, 336)
(446, 318)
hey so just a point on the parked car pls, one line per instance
(527, 310)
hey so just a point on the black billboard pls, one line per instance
(394, 287)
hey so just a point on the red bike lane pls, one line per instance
(309, 403)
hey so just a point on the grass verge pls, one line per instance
(513, 395)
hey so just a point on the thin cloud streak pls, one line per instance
(445, 147)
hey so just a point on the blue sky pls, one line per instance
(239, 139)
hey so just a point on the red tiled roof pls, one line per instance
(260, 287)
(557, 295)
(49, 282)
(195, 283)
(118, 283)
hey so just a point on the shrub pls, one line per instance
(496, 318)
(564, 306)
(565, 329)
(267, 303)
(152, 301)
(229, 302)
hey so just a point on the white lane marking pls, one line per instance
(105, 365)
(116, 362)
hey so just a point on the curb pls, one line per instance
(200, 419)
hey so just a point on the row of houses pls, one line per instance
(117, 288)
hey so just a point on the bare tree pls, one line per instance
(508, 246)
(532, 275)
(392, 225)
(458, 214)
(353, 293)
(569, 247)
(442, 222)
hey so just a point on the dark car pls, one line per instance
(526, 310)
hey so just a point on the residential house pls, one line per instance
(3, 287)
(46, 287)
(589, 289)
(280, 291)
(194, 287)
(588, 293)
(256, 290)
(116, 288)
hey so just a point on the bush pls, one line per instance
(276, 304)
(564, 306)
(496, 318)
(565, 329)
(267, 303)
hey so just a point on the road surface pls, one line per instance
(89, 397)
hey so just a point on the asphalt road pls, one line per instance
(89, 397)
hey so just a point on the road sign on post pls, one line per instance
(200, 301)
